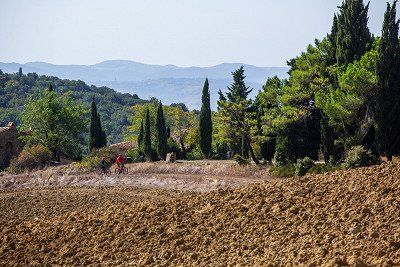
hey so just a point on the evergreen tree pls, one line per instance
(20, 72)
(168, 132)
(388, 97)
(99, 132)
(147, 136)
(93, 130)
(238, 89)
(353, 37)
(161, 132)
(205, 126)
(140, 136)
(103, 138)
(51, 87)
(331, 57)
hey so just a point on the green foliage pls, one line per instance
(97, 136)
(161, 133)
(353, 37)
(220, 151)
(267, 149)
(33, 157)
(147, 137)
(387, 111)
(280, 156)
(284, 171)
(320, 168)
(115, 108)
(303, 166)
(358, 156)
(55, 122)
(136, 154)
(194, 154)
(205, 122)
(238, 90)
(140, 136)
(241, 160)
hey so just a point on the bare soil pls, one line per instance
(347, 218)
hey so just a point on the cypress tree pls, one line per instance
(103, 138)
(331, 57)
(388, 97)
(205, 126)
(140, 136)
(20, 72)
(147, 136)
(99, 132)
(168, 132)
(93, 130)
(51, 87)
(353, 37)
(161, 133)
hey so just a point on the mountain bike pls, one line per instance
(121, 170)
(105, 171)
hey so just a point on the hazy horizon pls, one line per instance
(177, 32)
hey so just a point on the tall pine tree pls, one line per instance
(140, 136)
(161, 133)
(353, 37)
(238, 89)
(97, 137)
(147, 136)
(94, 128)
(205, 126)
(387, 112)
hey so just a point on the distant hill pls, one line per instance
(168, 83)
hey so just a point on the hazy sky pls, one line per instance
(179, 32)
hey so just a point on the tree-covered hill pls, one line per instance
(114, 107)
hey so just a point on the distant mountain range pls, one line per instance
(169, 83)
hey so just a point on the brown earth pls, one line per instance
(339, 219)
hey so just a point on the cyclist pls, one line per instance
(103, 165)
(120, 161)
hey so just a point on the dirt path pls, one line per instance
(188, 176)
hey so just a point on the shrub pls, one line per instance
(136, 155)
(241, 160)
(303, 165)
(358, 156)
(220, 151)
(90, 163)
(280, 156)
(34, 157)
(195, 154)
(322, 168)
(282, 171)
(267, 149)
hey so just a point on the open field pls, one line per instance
(344, 218)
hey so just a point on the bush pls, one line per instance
(220, 151)
(241, 160)
(194, 154)
(283, 171)
(136, 155)
(34, 157)
(280, 156)
(267, 149)
(90, 163)
(303, 165)
(358, 156)
(322, 168)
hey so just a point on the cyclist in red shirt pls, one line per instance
(120, 161)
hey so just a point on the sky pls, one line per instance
(178, 32)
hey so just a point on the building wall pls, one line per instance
(10, 146)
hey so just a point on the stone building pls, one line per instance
(10, 145)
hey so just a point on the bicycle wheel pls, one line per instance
(125, 170)
(116, 171)
(108, 172)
